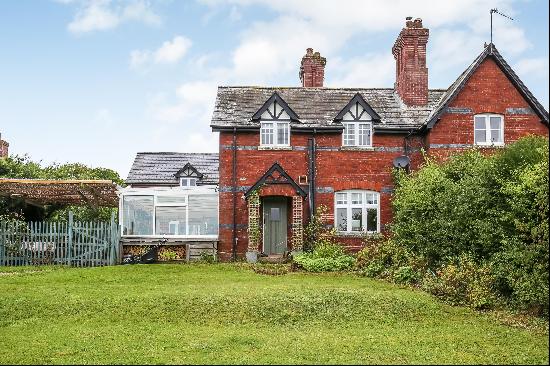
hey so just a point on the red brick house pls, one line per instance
(284, 151)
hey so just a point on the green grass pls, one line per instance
(229, 314)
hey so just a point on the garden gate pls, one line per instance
(69, 243)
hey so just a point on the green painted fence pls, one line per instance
(72, 243)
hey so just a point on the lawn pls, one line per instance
(229, 314)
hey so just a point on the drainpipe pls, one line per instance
(311, 156)
(234, 244)
(406, 143)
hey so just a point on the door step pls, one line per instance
(273, 259)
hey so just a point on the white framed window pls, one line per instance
(188, 182)
(275, 133)
(193, 214)
(357, 211)
(357, 134)
(488, 129)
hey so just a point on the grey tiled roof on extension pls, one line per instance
(161, 167)
(317, 107)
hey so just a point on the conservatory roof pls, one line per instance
(63, 192)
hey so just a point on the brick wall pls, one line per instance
(336, 169)
(487, 91)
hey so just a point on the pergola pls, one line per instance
(42, 192)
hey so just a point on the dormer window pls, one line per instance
(357, 127)
(275, 117)
(357, 118)
(188, 176)
(188, 182)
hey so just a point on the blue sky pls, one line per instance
(95, 81)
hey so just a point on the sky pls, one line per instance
(96, 81)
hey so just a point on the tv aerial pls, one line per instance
(495, 10)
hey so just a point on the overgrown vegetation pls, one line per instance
(322, 251)
(23, 167)
(472, 230)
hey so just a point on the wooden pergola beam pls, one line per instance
(92, 192)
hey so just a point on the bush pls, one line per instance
(325, 258)
(463, 282)
(405, 275)
(208, 257)
(494, 208)
(387, 259)
(316, 233)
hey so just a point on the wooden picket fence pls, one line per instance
(78, 244)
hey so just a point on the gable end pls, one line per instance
(489, 52)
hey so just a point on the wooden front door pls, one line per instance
(275, 225)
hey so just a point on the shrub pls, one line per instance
(208, 257)
(405, 275)
(316, 233)
(382, 258)
(493, 207)
(462, 282)
(325, 258)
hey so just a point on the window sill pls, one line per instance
(274, 147)
(357, 148)
(354, 234)
(499, 146)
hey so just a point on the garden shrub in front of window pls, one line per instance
(325, 258)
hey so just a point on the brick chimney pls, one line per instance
(312, 70)
(409, 51)
(3, 147)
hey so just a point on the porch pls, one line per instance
(275, 216)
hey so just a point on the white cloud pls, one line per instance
(374, 70)
(100, 15)
(458, 32)
(532, 67)
(174, 51)
(168, 53)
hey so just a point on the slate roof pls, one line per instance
(161, 167)
(489, 51)
(317, 107)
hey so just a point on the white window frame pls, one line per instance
(274, 133)
(188, 181)
(487, 129)
(202, 190)
(356, 135)
(349, 205)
